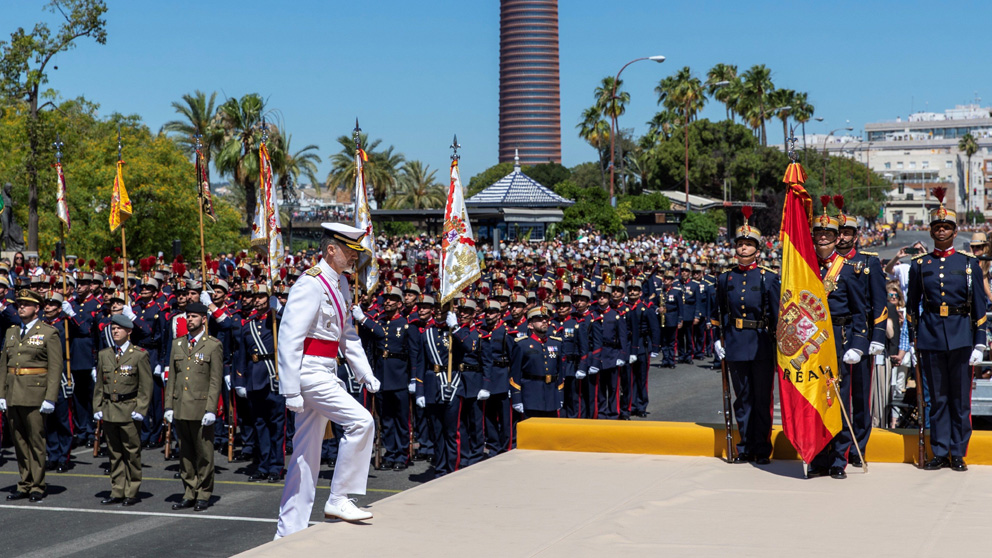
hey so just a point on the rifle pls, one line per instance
(727, 419)
(921, 412)
(377, 446)
(231, 422)
(97, 434)
(168, 439)
(413, 422)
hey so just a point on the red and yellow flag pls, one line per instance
(120, 203)
(807, 357)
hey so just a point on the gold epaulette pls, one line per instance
(519, 339)
(969, 254)
(875, 254)
(554, 337)
(729, 269)
(914, 258)
(763, 268)
(314, 271)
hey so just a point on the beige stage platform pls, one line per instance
(570, 504)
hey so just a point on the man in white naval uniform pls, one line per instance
(317, 318)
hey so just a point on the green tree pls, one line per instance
(592, 207)
(969, 146)
(699, 226)
(487, 178)
(683, 92)
(782, 101)
(726, 94)
(199, 117)
(595, 130)
(802, 112)
(547, 174)
(23, 61)
(241, 120)
(381, 170)
(303, 162)
(418, 188)
(648, 202)
(754, 98)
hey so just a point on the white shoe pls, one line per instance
(345, 510)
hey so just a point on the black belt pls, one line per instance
(947, 310)
(119, 397)
(259, 358)
(612, 344)
(387, 354)
(844, 320)
(547, 378)
(741, 323)
(502, 363)
(469, 367)
(572, 358)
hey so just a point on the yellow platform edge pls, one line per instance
(706, 440)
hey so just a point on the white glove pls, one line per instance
(518, 407)
(356, 312)
(3, 405)
(168, 416)
(241, 392)
(876, 348)
(295, 403)
(412, 388)
(852, 356)
(976, 355)
(158, 370)
(593, 370)
(579, 374)
(483, 394)
(655, 355)
(719, 350)
(205, 299)
(208, 419)
(633, 359)
(97, 416)
(135, 415)
(47, 407)
(227, 381)
(620, 362)
(67, 308)
(451, 320)
(129, 313)
(93, 373)
(371, 384)
(421, 401)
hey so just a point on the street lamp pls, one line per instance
(613, 118)
(825, 140)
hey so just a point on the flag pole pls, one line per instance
(264, 172)
(199, 189)
(58, 145)
(127, 283)
(454, 161)
(850, 427)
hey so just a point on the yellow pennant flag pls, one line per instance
(120, 204)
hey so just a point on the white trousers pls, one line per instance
(326, 400)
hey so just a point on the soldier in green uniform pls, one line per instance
(196, 375)
(123, 392)
(30, 376)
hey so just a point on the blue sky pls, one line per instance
(415, 73)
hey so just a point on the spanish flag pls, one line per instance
(120, 203)
(807, 357)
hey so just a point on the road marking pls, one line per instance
(188, 514)
(143, 479)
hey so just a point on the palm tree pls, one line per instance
(969, 146)
(199, 117)
(303, 162)
(417, 188)
(661, 125)
(683, 92)
(381, 170)
(612, 102)
(238, 157)
(802, 112)
(726, 93)
(757, 85)
(782, 101)
(596, 131)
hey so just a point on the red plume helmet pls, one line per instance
(92, 264)
(939, 192)
(107, 260)
(559, 284)
(560, 272)
(143, 264)
(542, 293)
(510, 280)
(117, 249)
(747, 210)
(283, 272)
(57, 266)
(436, 284)
(421, 282)
(417, 268)
(839, 202)
(118, 267)
(180, 258)
(825, 201)
(484, 290)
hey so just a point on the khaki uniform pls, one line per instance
(30, 373)
(123, 385)
(195, 379)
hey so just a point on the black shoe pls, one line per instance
(814, 471)
(182, 505)
(762, 460)
(62, 468)
(958, 464)
(111, 500)
(36, 497)
(89, 443)
(201, 505)
(742, 458)
(17, 495)
(937, 463)
(177, 476)
(624, 417)
(258, 476)
(421, 456)
(130, 502)
(51, 465)
(399, 466)
(837, 473)
(854, 461)
(273, 478)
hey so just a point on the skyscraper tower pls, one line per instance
(529, 89)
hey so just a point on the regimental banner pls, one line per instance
(61, 205)
(368, 262)
(459, 263)
(807, 358)
(266, 228)
(120, 203)
(203, 188)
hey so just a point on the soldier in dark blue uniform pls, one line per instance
(256, 380)
(847, 304)
(496, 380)
(536, 378)
(645, 342)
(82, 311)
(744, 320)
(669, 317)
(691, 314)
(396, 364)
(947, 308)
(610, 345)
(705, 296)
(868, 269)
(585, 386)
(58, 429)
(574, 343)
(467, 358)
(152, 313)
(442, 400)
